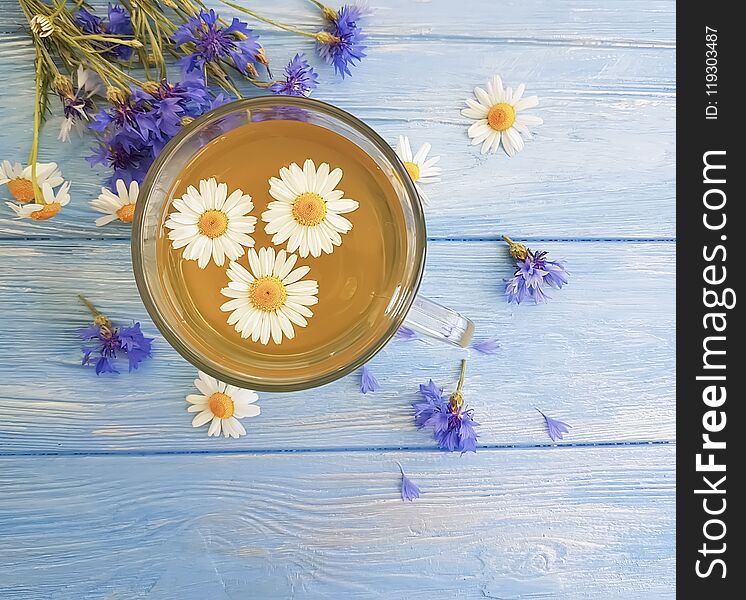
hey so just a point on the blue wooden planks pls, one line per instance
(578, 358)
(574, 523)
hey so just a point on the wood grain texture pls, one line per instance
(614, 22)
(577, 523)
(605, 150)
(578, 358)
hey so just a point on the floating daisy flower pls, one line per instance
(53, 202)
(116, 206)
(498, 119)
(307, 209)
(222, 406)
(271, 298)
(18, 178)
(420, 168)
(210, 223)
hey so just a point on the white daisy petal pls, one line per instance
(222, 407)
(494, 123)
(304, 200)
(528, 102)
(210, 224)
(258, 297)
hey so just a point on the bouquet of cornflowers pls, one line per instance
(138, 73)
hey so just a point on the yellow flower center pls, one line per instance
(47, 212)
(413, 170)
(126, 213)
(213, 223)
(22, 189)
(501, 116)
(221, 405)
(267, 293)
(309, 209)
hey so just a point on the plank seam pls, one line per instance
(386, 449)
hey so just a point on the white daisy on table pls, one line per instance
(208, 223)
(307, 209)
(498, 119)
(420, 168)
(271, 298)
(221, 405)
(18, 178)
(53, 202)
(116, 206)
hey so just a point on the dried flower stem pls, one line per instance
(282, 26)
(517, 251)
(457, 398)
(98, 317)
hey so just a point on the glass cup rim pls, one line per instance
(169, 332)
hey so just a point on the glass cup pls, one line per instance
(405, 307)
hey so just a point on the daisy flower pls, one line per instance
(271, 298)
(420, 168)
(116, 206)
(53, 202)
(222, 405)
(307, 209)
(18, 178)
(498, 118)
(210, 223)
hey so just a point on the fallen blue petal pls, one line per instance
(409, 491)
(406, 334)
(368, 381)
(556, 428)
(488, 346)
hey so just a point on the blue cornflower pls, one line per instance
(368, 381)
(555, 428)
(556, 274)
(214, 42)
(127, 161)
(131, 115)
(135, 129)
(452, 423)
(409, 491)
(119, 24)
(300, 78)
(110, 343)
(343, 45)
(533, 271)
(432, 401)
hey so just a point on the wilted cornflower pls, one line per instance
(453, 424)
(105, 343)
(118, 24)
(77, 102)
(300, 78)
(214, 42)
(533, 271)
(341, 42)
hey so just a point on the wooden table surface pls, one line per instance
(108, 492)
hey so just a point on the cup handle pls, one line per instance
(438, 322)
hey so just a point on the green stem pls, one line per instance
(38, 196)
(251, 13)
